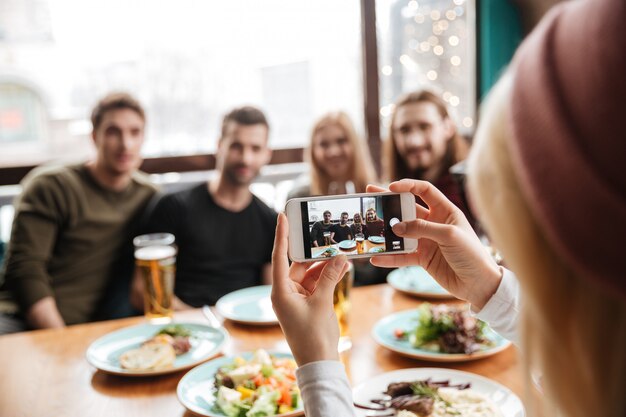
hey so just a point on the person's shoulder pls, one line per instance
(182, 198)
(264, 209)
(53, 176)
(142, 180)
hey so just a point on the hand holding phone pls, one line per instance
(356, 225)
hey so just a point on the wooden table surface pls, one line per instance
(45, 373)
(315, 251)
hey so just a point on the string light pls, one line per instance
(455, 60)
(468, 122)
(438, 50)
(450, 15)
(435, 15)
(454, 101)
(453, 40)
(431, 75)
(387, 70)
(419, 18)
(425, 46)
(433, 40)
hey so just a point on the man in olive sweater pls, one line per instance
(70, 253)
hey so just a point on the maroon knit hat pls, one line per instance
(568, 114)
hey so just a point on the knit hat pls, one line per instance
(568, 118)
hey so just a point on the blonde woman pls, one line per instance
(546, 175)
(339, 159)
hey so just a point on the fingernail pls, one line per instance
(399, 228)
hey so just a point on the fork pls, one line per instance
(213, 321)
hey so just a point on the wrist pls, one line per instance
(310, 353)
(489, 285)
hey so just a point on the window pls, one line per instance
(428, 44)
(187, 61)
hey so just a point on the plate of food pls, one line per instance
(251, 384)
(376, 250)
(347, 244)
(435, 392)
(325, 253)
(251, 305)
(414, 280)
(376, 239)
(439, 333)
(155, 349)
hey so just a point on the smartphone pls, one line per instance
(357, 225)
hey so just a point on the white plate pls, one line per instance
(104, 353)
(196, 390)
(414, 280)
(510, 405)
(251, 305)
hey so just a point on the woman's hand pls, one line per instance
(448, 247)
(302, 297)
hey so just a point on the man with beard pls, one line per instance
(224, 233)
(341, 231)
(375, 226)
(424, 143)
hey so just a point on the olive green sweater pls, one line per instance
(68, 239)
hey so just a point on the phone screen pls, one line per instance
(352, 226)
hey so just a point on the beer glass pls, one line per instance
(360, 242)
(341, 302)
(326, 238)
(155, 258)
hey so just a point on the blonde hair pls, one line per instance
(572, 331)
(361, 170)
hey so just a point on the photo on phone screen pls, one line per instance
(351, 226)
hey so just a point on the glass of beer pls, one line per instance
(326, 238)
(360, 242)
(341, 302)
(155, 258)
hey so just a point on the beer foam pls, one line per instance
(150, 253)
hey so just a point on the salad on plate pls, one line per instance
(264, 385)
(446, 329)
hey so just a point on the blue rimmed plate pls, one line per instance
(414, 280)
(376, 239)
(346, 244)
(104, 353)
(384, 334)
(196, 390)
(507, 402)
(251, 305)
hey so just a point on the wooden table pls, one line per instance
(367, 246)
(45, 373)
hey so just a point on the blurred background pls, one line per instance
(190, 61)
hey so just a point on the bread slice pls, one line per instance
(150, 356)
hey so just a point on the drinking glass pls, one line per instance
(341, 302)
(360, 242)
(155, 258)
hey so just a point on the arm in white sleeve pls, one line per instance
(325, 389)
(502, 311)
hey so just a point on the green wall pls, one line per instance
(500, 32)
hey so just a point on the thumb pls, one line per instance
(331, 274)
(416, 229)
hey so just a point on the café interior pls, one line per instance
(302, 72)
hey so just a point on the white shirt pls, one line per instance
(324, 385)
